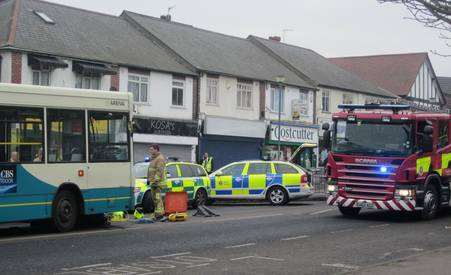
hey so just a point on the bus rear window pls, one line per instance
(21, 135)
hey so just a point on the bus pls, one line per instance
(64, 154)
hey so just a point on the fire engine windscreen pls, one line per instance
(372, 138)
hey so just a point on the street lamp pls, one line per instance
(280, 80)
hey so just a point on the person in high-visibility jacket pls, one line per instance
(207, 163)
(156, 178)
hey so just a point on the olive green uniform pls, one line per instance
(156, 177)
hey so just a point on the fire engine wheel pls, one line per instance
(431, 203)
(349, 211)
(65, 212)
(277, 196)
(147, 203)
(201, 197)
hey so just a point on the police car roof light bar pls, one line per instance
(394, 107)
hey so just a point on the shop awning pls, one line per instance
(93, 68)
(41, 60)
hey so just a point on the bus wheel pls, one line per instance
(65, 211)
(147, 203)
(277, 196)
(431, 203)
(201, 197)
(349, 211)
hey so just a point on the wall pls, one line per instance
(425, 87)
(290, 94)
(227, 99)
(6, 67)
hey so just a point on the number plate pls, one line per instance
(365, 204)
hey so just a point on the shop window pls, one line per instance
(259, 168)
(88, 81)
(234, 170)
(138, 85)
(277, 97)
(172, 171)
(108, 137)
(282, 168)
(66, 136)
(325, 101)
(443, 133)
(21, 135)
(244, 95)
(212, 90)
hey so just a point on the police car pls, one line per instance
(181, 176)
(276, 181)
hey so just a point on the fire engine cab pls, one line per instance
(388, 157)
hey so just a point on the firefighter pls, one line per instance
(156, 178)
(207, 163)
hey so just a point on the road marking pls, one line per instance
(240, 245)
(322, 211)
(341, 231)
(257, 257)
(379, 225)
(295, 238)
(199, 265)
(345, 266)
(85, 266)
(244, 218)
(171, 255)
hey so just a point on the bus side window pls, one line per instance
(66, 136)
(21, 135)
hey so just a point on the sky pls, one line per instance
(332, 28)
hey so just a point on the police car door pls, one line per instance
(259, 175)
(188, 179)
(229, 183)
(174, 181)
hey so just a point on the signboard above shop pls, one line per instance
(295, 134)
(164, 127)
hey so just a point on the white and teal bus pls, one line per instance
(64, 153)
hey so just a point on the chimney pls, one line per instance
(166, 17)
(275, 38)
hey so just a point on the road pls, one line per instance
(301, 238)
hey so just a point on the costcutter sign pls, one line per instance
(294, 134)
(8, 179)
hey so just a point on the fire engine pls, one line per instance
(388, 157)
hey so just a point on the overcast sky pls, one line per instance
(330, 27)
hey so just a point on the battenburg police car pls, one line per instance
(181, 176)
(276, 181)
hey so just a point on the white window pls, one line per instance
(277, 98)
(41, 77)
(304, 103)
(212, 90)
(138, 85)
(244, 95)
(178, 87)
(325, 101)
(347, 99)
(88, 81)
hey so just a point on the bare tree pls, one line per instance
(432, 13)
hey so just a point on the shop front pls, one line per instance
(177, 139)
(292, 135)
(228, 140)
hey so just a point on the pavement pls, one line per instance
(305, 237)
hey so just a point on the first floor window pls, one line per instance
(277, 98)
(178, 87)
(212, 90)
(88, 81)
(304, 108)
(138, 85)
(244, 95)
(325, 101)
(41, 77)
(347, 99)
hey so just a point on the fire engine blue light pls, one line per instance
(146, 159)
(383, 169)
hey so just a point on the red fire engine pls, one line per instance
(388, 157)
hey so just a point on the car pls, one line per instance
(276, 181)
(181, 176)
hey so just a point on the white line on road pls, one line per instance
(322, 211)
(341, 231)
(85, 266)
(338, 265)
(244, 218)
(171, 255)
(257, 257)
(199, 265)
(379, 225)
(240, 245)
(295, 238)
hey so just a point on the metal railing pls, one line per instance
(319, 181)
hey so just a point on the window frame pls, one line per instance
(140, 82)
(274, 93)
(305, 104)
(347, 99)
(89, 160)
(178, 85)
(212, 85)
(177, 170)
(243, 90)
(89, 76)
(442, 123)
(325, 101)
(40, 71)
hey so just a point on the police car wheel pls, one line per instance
(431, 203)
(201, 197)
(65, 212)
(147, 203)
(277, 196)
(349, 211)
